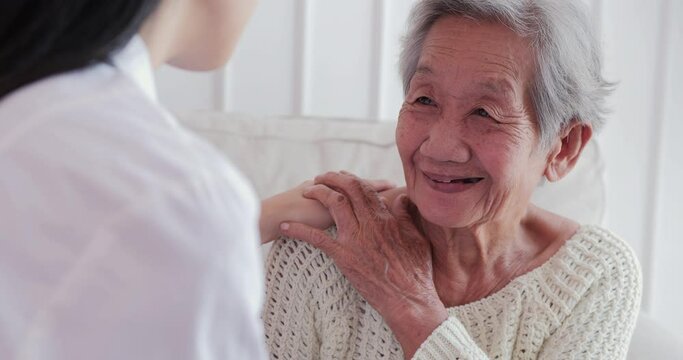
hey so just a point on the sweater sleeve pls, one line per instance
(449, 341)
(602, 322)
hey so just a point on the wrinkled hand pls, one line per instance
(292, 206)
(381, 252)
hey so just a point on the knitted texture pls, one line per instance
(580, 304)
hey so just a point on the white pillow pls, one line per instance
(277, 153)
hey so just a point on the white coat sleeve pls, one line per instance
(175, 275)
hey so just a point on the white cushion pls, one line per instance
(277, 153)
(652, 341)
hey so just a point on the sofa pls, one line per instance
(277, 153)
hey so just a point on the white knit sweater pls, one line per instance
(581, 304)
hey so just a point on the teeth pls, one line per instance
(465, 181)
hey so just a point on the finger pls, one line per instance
(401, 208)
(370, 195)
(306, 183)
(337, 204)
(385, 201)
(315, 237)
(380, 185)
(363, 198)
(405, 211)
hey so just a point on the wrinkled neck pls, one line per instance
(476, 246)
(473, 262)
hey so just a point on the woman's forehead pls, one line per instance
(479, 84)
(474, 31)
(499, 59)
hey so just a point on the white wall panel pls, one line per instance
(626, 139)
(266, 67)
(338, 75)
(667, 252)
(390, 85)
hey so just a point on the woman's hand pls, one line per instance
(292, 206)
(381, 252)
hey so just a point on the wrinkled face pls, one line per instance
(467, 133)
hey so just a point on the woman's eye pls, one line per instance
(483, 113)
(425, 100)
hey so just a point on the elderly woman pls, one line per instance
(499, 95)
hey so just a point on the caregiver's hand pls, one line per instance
(381, 252)
(292, 206)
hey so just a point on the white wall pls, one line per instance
(338, 58)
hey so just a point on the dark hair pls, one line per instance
(39, 38)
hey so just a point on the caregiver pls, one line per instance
(122, 236)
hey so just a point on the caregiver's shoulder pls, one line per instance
(96, 130)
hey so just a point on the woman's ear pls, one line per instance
(566, 150)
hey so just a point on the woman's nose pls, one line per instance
(446, 142)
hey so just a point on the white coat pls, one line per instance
(122, 235)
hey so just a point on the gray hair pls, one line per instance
(568, 84)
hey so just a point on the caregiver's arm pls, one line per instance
(292, 206)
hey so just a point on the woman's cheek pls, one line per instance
(408, 139)
(410, 133)
(403, 140)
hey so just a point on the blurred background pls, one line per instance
(339, 59)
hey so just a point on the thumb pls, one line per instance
(401, 208)
(406, 213)
(315, 237)
(380, 185)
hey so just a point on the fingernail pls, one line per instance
(284, 226)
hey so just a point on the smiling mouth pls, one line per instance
(473, 180)
(446, 179)
(450, 184)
